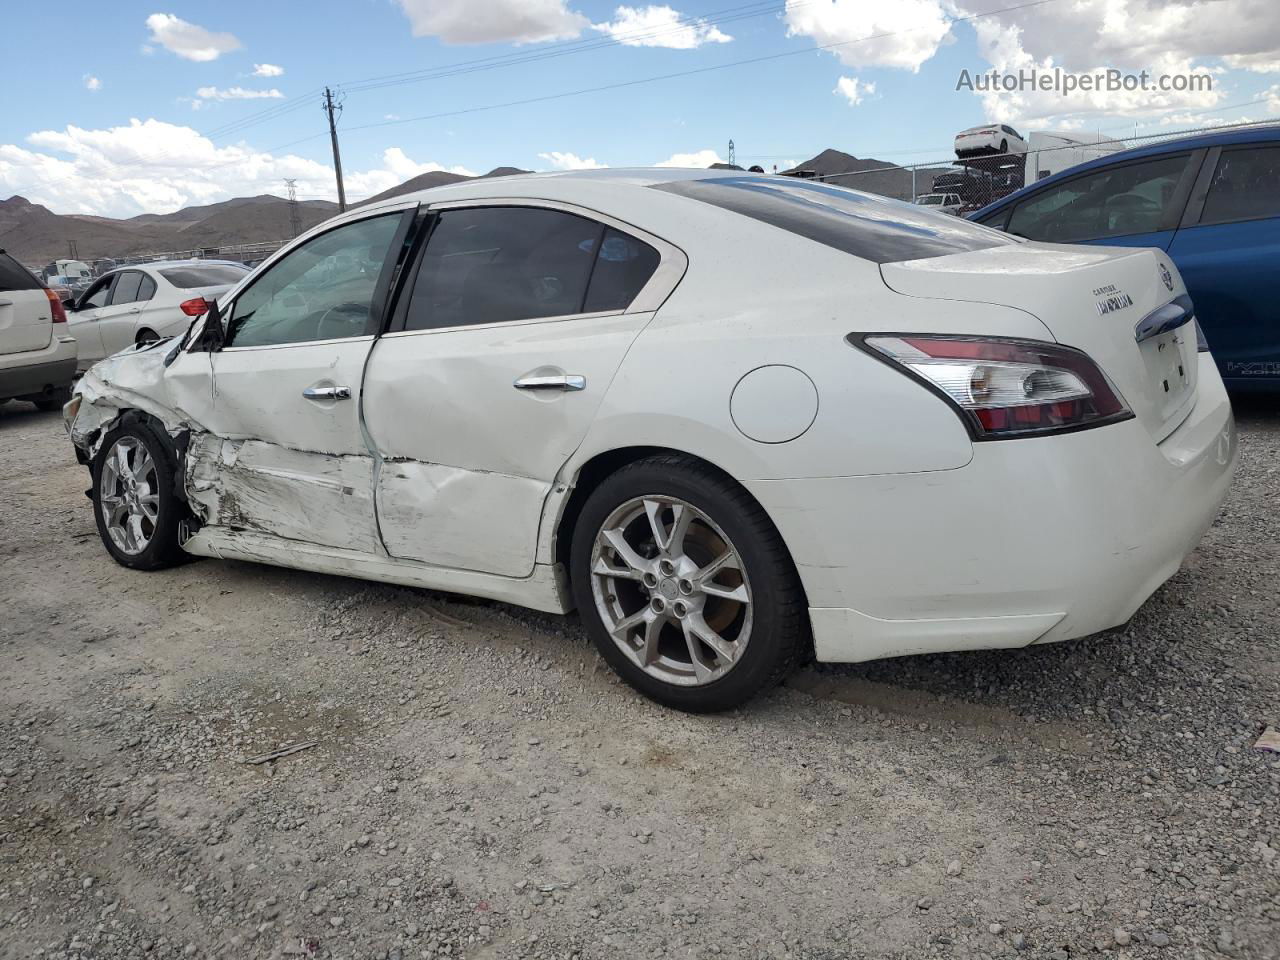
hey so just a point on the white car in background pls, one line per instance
(990, 138)
(736, 420)
(146, 302)
(941, 202)
(37, 354)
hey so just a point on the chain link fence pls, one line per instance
(963, 185)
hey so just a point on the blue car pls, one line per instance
(1212, 202)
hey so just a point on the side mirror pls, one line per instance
(69, 303)
(212, 336)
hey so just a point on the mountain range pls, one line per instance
(35, 235)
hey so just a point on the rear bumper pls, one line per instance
(1034, 540)
(36, 372)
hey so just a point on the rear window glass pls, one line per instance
(1246, 186)
(206, 276)
(14, 276)
(873, 228)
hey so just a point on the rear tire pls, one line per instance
(55, 399)
(134, 502)
(711, 650)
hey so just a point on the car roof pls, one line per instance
(168, 264)
(1223, 138)
(615, 177)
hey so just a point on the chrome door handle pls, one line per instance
(327, 393)
(568, 381)
(136, 310)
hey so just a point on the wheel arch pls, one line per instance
(604, 464)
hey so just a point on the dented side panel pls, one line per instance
(300, 496)
(479, 521)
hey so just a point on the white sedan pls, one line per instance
(735, 420)
(146, 302)
(990, 138)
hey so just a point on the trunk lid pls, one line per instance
(1093, 298)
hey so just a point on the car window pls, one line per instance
(147, 289)
(204, 275)
(865, 225)
(14, 276)
(126, 290)
(98, 294)
(321, 290)
(496, 264)
(1113, 202)
(623, 266)
(1245, 186)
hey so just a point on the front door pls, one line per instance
(285, 454)
(515, 322)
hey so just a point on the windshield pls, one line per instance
(863, 224)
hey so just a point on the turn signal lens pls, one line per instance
(195, 308)
(1006, 388)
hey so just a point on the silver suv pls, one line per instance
(37, 355)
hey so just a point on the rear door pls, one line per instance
(1134, 204)
(1228, 251)
(286, 455)
(26, 319)
(510, 329)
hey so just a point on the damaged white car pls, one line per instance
(734, 420)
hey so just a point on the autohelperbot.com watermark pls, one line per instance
(1065, 82)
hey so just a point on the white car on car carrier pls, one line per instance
(735, 420)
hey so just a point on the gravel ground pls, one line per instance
(482, 787)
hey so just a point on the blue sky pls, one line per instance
(126, 112)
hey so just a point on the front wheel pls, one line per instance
(685, 586)
(134, 502)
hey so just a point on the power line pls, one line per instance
(680, 74)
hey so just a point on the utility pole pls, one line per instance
(329, 108)
(295, 223)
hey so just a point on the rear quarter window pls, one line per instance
(14, 276)
(871, 227)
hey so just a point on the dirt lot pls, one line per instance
(484, 788)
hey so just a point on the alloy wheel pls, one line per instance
(128, 495)
(671, 590)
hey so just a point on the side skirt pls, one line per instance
(544, 590)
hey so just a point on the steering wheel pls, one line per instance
(347, 306)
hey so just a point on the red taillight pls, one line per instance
(195, 308)
(55, 306)
(1006, 388)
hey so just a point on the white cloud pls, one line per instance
(904, 33)
(570, 161)
(1131, 34)
(187, 40)
(238, 93)
(391, 116)
(396, 168)
(493, 21)
(155, 167)
(1273, 99)
(267, 70)
(92, 83)
(660, 26)
(1010, 48)
(699, 158)
(854, 90)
